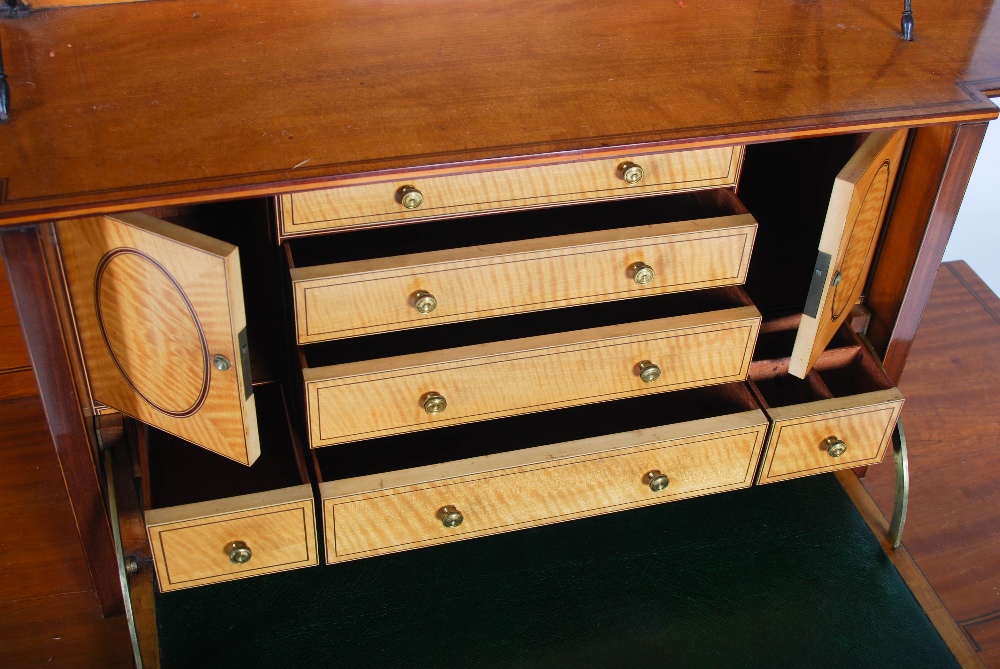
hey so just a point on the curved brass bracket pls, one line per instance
(901, 460)
(902, 498)
(126, 565)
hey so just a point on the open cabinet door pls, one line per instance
(159, 310)
(853, 221)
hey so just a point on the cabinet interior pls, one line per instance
(845, 368)
(176, 472)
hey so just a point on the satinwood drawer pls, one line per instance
(385, 294)
(841, 415)
(710, 341)
(709, 441)
(439, 194)
(211, 520)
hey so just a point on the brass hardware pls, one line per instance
(433, 403)
(648, 372)
(837, 278)
(222, 363)
(424, 302)
(131, 565)
(450, 516)
(657, 481)
(641, 273)
(410, 197)
(238, 552)
(631, 173)
(834, 446)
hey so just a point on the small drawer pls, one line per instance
(700, 441)
(363, 297)
(707, 340)
(841, 415)
(438, 194)
(211, 520)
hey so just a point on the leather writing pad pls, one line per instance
(785, 575)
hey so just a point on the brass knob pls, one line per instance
(238, 552)
(450, 516)
(641, 273)
(835, 447)
(222, 363)
(648, 371)
(657, 480)
(424, 302)
(433, 403)
(410, 197)
(631, 173)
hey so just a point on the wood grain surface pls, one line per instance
(795, 446)
(16, 377)
(49, 612)
(187, 541)
(227, 100)
(364, 297)
(154, 304)
(515, 188)
(42, 306)
(860, 198)
(381, 514)
(952, 419)
(375, 398)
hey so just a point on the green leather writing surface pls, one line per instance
(785, 575)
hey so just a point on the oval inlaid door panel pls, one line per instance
(851, 231)
(159, 310)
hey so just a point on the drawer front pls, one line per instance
(190, 544)
(798, 446)
(553, 484)
(352, 402)
(510, 188)
(359, 298)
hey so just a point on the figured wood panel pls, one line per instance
(795, 446)
(380, 514)
(860, 197)
(154, 304)
(385, 87)
(381, 397)
(188, 541)
(364, 297)
(514, 188)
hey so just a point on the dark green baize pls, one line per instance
(784, 575)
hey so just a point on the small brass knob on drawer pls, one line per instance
(433, 403)
(221, 363)
(424, 302)
(834, 446)
(410, 197)
(631, 173)
(648, 371)
(641, 273)
(657, 480)
(238, 552)
(450, 516)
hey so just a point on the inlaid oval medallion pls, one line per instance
(861, 238)
(152, 332)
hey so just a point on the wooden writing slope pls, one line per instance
(401, 263)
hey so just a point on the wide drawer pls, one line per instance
(385, 294)
(501, 188)
(237, 521)
(398, 510)
(374, 398)
(841, 415)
